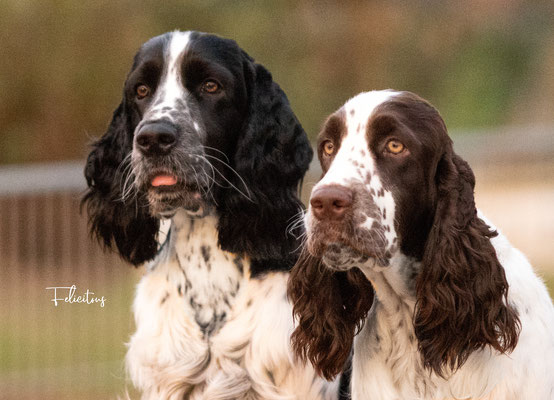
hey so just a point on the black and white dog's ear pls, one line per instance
(272, 156)
(114, 218)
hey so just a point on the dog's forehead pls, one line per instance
(213, 47)
(353, 159)
(154, 47)
(360, 109)
(350, 121)
(173, 51)
(178, 45)
(157, 49)
(356, 113)
(172, 45)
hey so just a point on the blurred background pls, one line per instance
(487, 65)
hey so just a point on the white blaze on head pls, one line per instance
(171, 87)
(355, 162)
(354, 154)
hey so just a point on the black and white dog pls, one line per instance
(205, 138)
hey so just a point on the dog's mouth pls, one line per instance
(341, 257)
(167, 193)
(341, 249)
(163, 181)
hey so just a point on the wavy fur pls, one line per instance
(272, 155)
(330, 307)
(212, 317)
(457, 312)
(454, 315)
(126, 224)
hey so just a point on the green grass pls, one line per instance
(73, 350)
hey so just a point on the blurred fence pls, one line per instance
(70, 350)
(514, 170)
(76, 350)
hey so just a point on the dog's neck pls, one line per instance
(394, 283)
(208, 278)
(394, 303)
(389, 326)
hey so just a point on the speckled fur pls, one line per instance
(387, 361)
(244, 353)
(212, 316)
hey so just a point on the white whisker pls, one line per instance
(217, 150)
(127, 179)
(206, 156)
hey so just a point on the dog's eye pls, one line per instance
(142, 91)
(210, 86)
(395, 147)
(328, 147)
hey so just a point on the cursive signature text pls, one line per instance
(69, 291)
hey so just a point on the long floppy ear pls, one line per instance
(461, 289)
(330, 307)
(272, 155)
(113, 220)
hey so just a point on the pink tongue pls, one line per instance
(164, 180)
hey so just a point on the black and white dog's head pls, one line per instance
(204, 128)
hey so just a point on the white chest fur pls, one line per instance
(387, 364)
(206, 330)
(211, 278)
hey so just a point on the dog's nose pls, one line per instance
(331, 202)
(156, 138)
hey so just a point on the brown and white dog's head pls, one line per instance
(379, 153)
(393, 189)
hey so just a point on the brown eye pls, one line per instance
(210, 87)
(328, 147)
(142, 91)
(394, 146)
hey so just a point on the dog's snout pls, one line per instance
(156, 138)
(331, 202)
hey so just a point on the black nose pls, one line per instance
(331, 202)
(156, 138)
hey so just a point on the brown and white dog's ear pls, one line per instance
(461, 288)
(330, 307)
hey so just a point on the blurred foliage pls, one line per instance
(481, 62)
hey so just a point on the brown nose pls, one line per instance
(331, 202)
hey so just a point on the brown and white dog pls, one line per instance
(396, 252)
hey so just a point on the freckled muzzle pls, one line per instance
(170, 165)
(345, 227)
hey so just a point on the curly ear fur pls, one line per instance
(461, 289)
(113, 220)
(272, 155)
(331, 307)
